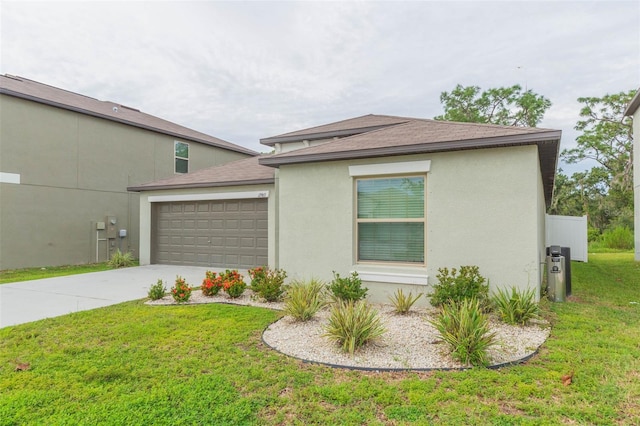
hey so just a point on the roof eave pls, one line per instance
(633, 105)
(142, 188)
(119, 120)
(525, 139)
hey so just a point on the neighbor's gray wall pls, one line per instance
(74, 170)
(484, 207)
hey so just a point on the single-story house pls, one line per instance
(392, 198)
(66, 161)
(633, 110)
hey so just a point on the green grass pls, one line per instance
(205, 364)
(26, 274)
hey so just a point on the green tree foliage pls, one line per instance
(605, 192)
(508, 106)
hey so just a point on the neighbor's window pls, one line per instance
(181, 157)
(391, 219)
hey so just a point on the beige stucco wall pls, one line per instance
(176, 194)
(73, 171)
(484, 208)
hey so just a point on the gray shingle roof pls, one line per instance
(246, 171)
(414, 136)
(351, 126)
(38, 92)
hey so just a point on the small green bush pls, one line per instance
(620, 238)
(348, 288)
(402, 303)
(120, 260)
(517, 307)
(181, 291)
(304, 299)
(268, 283)
(465, 328)
(352, 324)
(459, 285)
(157, 291)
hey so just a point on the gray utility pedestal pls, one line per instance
(556, 275)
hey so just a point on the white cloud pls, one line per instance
(247, 70)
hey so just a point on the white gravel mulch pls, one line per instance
(410, 342)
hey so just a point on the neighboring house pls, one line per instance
(392, 198)
(633, 110)
(65, 163)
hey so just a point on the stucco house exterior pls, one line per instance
(392, 198)
(66, 161)
(633, 110)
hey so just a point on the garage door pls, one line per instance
(217, 233)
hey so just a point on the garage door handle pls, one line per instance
(209, 241)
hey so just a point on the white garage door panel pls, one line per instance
(220, 233)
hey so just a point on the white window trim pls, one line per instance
(208, 196)
(176, 157)
(390, 168)
(10, 178)
(394, 278)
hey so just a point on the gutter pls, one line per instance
(526, 139)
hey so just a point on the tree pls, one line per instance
(508, 106)
(605, 192)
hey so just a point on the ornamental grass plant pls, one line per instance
(516, 307)
(465, 328)
(352, 324)
(402, 303)
(121, 260)
(304, 299)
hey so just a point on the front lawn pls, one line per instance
(26, 274)
(205, 364)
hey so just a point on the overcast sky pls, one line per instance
(242, 71)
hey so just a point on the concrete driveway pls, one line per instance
(50, 297)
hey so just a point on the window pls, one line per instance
(391, 219)
(181, 151)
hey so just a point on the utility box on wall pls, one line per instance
(112, 231)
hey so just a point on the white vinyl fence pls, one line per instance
(568, 231)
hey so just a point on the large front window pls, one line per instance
(391, 219)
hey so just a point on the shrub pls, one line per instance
(120, 260)
(457, 286)
(304, 299)
(348, 288)
(465, 328)
(157, 291)
(211, 284)
(233, 283)
(268, 283)
(403, 303)
(352, 324)
(620, 238)
(517, 308)
(181, 291)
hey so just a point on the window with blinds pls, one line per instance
(391, 219)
